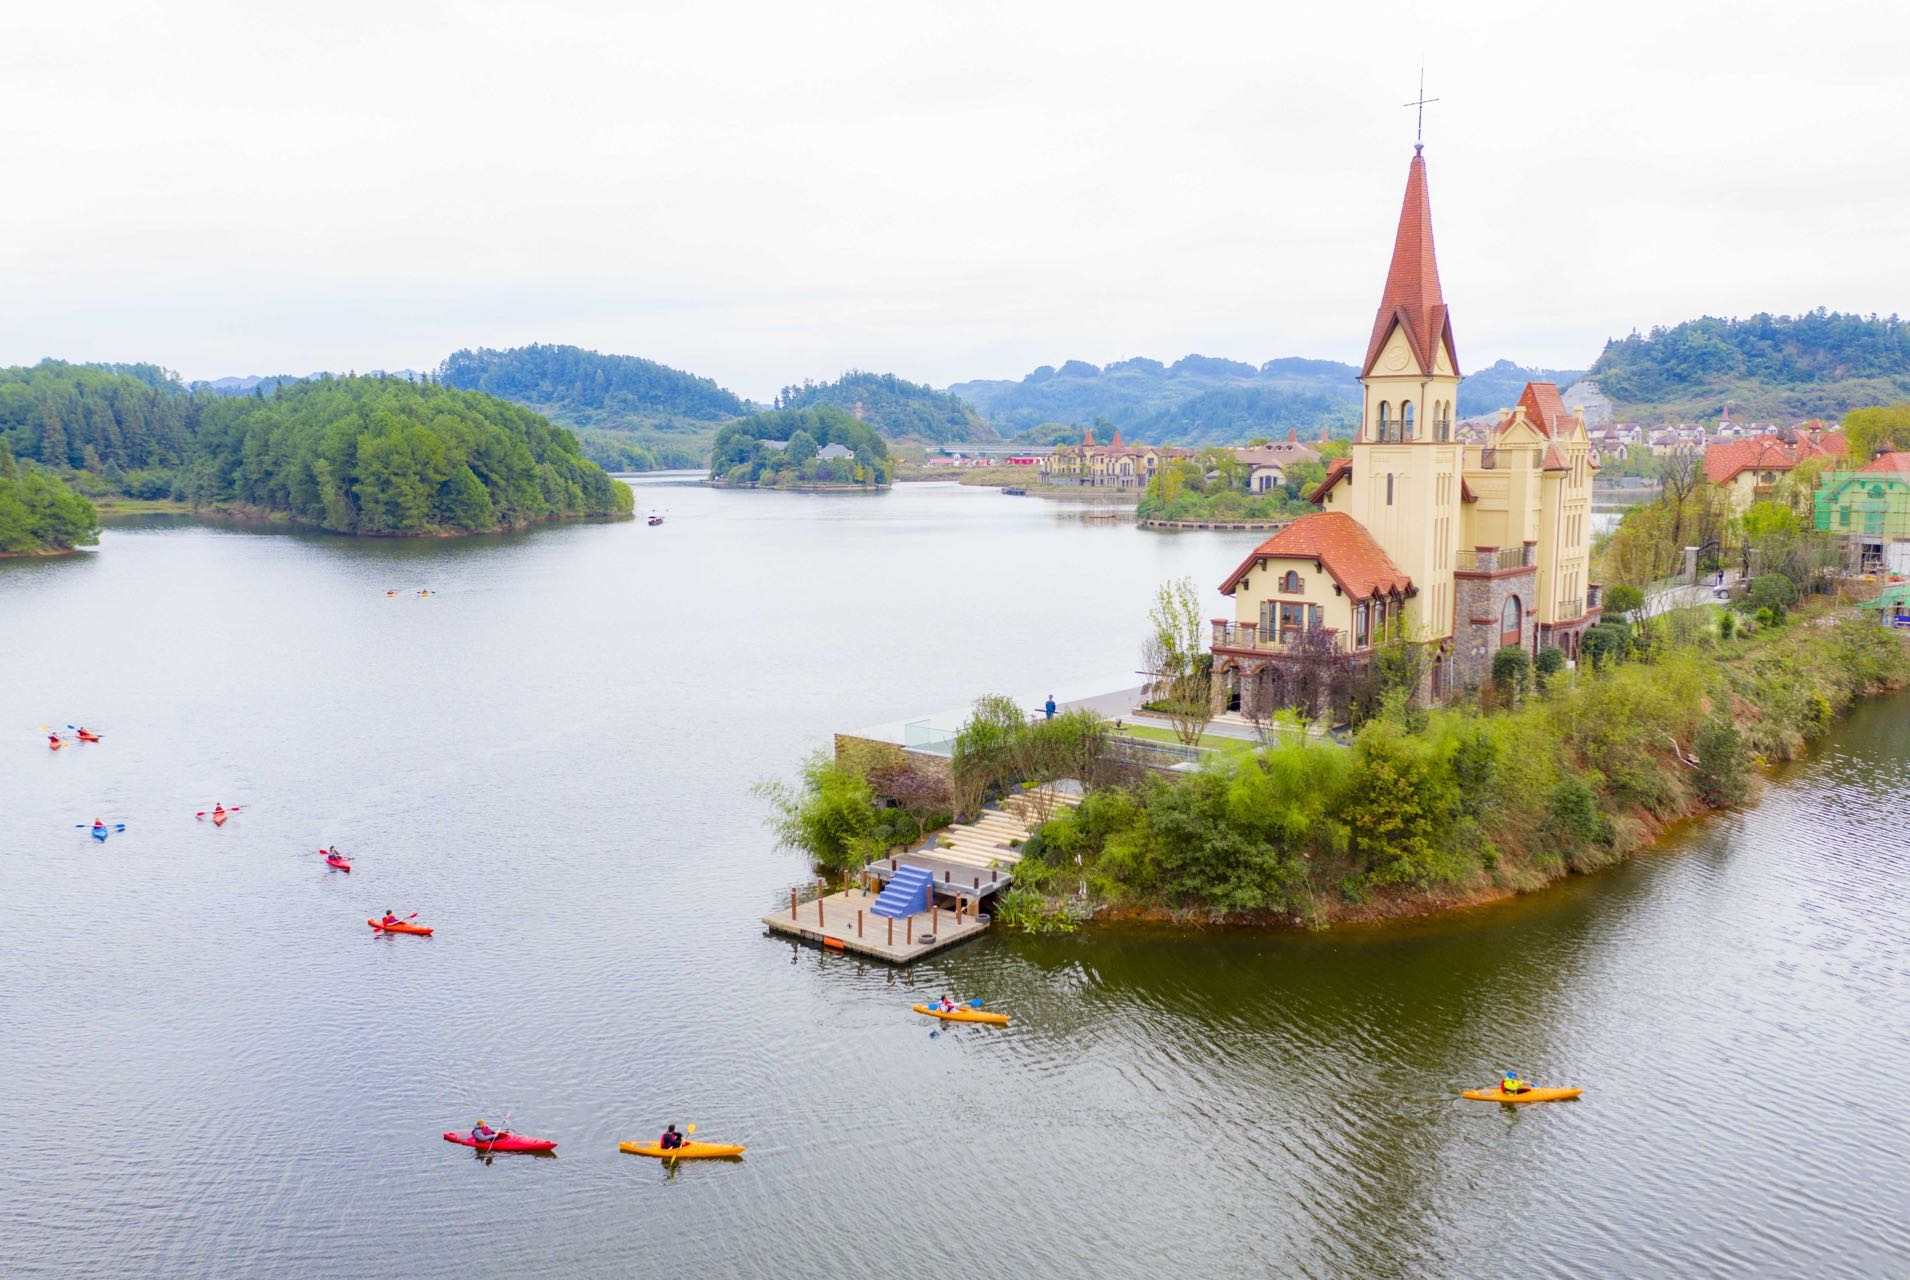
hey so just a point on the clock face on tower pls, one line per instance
(1397, 360)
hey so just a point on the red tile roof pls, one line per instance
(1897, 462)
(1341, 468)
(1340, 544)
(1543, 408)
(1412, 298)
(1765, 453)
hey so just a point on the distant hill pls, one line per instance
(630, 414)
(894, 406)
(589, 389)
(1498, 385)
(1821, 363)
(1197, 399)
(1204, 400)
(262, 384)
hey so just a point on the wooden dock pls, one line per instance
(841, 922)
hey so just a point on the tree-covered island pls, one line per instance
(802, 449)
(368, 455)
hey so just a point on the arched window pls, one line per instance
(1511, 628)
(1290, 581)
(1406, 420)
(1385, 420)
(1389, 488)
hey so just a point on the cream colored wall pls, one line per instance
(1427, 395)
(1420, 529)
(1565, 531)
(1262, 583)
(1742, 488)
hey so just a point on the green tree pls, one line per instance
(1174, 655)
(1880, 426)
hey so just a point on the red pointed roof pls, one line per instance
(1890, 462)
(1117, 439)
(1338, 471)
(1087, 437)
(1412, 298)
(1340, 544)
(1543, 408)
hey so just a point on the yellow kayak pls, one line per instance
(1530, 1095)
(964, 1015)
(688, 1151)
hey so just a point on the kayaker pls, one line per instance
(98, 825)
(53, 739)
(389, 919)
(945, 1005)
(1510, 1083)
(481, 1132)
(671, 1139)
(334, 853)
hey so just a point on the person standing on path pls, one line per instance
(1049, 706)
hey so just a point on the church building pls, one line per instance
(1465, 548)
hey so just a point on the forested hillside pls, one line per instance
(129, 424)
(38, 512)
(1821, 363)
(387, 456)
(354, 455)
(662, 417)
(1499, 385)
(897, 408)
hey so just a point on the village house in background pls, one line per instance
(1748, 470)
(1113, 465)
(1267, 463)
(1463, 547)
(1870, 509)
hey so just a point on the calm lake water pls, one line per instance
(212, 1067)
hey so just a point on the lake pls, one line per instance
(214, 1068)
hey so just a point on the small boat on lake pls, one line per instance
(655, 518)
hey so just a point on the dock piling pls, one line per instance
(792, 903)
(858, 922)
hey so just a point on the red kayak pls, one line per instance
(505, 1141)
(54, 744)
(330, 861)
(400, 927)
(88, 737)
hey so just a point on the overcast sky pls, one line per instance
(765, 192)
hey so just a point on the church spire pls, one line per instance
(1411, 300)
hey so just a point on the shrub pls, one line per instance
(1622, 601)
(1550, 662)
(1606, 643)
(1727, 625)
(1511, 671)
(1723, 763)
(1772, 591)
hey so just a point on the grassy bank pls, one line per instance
(1433, 809)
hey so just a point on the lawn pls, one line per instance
(1212, 741)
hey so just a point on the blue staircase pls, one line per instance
(906, 893)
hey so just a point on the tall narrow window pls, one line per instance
(1389, 488)
(1406, 420)
(1385, 421)
(1511, 623)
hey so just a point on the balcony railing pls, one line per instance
(1247, 635)
(1491, 559)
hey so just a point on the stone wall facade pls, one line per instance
(1478, 621)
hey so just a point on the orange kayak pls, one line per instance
(54, 744)
(88, 737)
(400, 927)
(1530, 1095)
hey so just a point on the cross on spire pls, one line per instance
(1419, 129)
